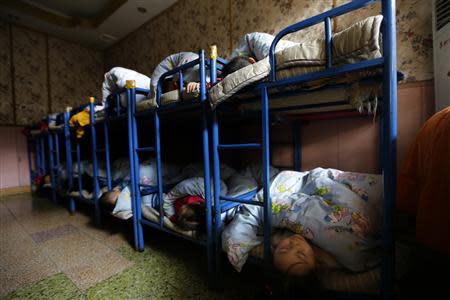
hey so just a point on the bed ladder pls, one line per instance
(69, 164)
(134, 151)
(95, 150)
(54, 162)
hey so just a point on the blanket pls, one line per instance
(336, 211)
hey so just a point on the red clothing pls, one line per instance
(424, 182)
(178, 204)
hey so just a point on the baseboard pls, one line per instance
(14, 190)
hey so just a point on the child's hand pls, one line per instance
(193, 87)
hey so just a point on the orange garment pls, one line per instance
(80, 120)
(424, 182)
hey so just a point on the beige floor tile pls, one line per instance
(100, 268)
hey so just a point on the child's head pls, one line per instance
(237, 63)
(294, 256)
(110, 198)
(192, 216)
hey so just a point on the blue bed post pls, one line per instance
(136, 160)
(42, 153)
(69, 165)
(51, 165)
(266, 178)
(30, 163)
(130, 85)
(37, 156)
(97, 213)
(389, 159)
(206, 162)
(158, 154)
(58, 160)
(107, 155)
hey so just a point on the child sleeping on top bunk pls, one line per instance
(329, 214)
(253, 47)
(115, 79)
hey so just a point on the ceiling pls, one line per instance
(93, 23)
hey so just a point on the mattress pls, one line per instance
(166, 99)
(361, 41)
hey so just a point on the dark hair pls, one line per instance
(192, 217)
(287, 286)
(235, 64)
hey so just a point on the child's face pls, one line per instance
(294, 256)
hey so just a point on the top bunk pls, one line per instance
(141, 101)
(341, 71)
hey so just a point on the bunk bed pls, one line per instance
(37, 161)
(166, 104)
(273, 79)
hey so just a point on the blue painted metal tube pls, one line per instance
(206, 166)
(107, 156)
(137, 190)
(69, 164)
(145, 149)
(329, 58)
(180, 83)
(266, 177)
(80, 173)
(340, 10)
(158, 159)
(213, 240)
(217, 204)
(97, 213)
(389, 161)
(30, 164)
(296, 141)
(43, 164)
(330, 72)
(241, 200)
(51, 166)
(132, 174)
(38, 157)
(117, 97)
(239, 146)
(58, 160)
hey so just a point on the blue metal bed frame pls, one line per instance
(37, 142)
(199, 103)
(54, 160)
(388, 129)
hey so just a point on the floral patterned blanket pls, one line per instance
(335, 210)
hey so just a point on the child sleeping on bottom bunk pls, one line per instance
(332, 222)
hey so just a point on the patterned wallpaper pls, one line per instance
(74, 74)
(6, 102)
(193, 24)
(30, 75)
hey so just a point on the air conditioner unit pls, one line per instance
(441, 52)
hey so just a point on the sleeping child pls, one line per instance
(252, 47)
(329, 213)
(190, 76)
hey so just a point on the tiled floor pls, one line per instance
(46, 253)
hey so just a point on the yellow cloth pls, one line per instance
(424, 182)
(80, 120)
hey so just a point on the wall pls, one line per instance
(40, 74)
(13, 159)
(193, 24)
(347, 144)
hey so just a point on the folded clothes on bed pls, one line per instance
(79, 121)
